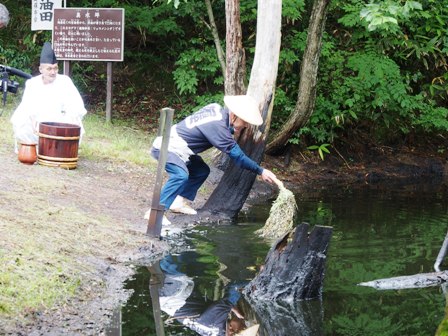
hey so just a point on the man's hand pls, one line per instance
(268, 176)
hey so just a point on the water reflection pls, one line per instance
(171, 291)
(114, 328)
(299, 318)
(156, 283)
(378, 233)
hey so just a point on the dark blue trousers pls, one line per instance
(182, 183)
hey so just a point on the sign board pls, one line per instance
(42, 13)
(88, 34)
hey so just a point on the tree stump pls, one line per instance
(294, 268)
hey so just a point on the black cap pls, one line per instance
(47, 55)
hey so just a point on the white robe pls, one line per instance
(58, 101)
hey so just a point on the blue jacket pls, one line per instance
(209, 127)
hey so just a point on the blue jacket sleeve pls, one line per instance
(243, 161)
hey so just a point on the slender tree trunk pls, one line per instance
(215, 34)
(235, 74)
(308, 79)
(235, 56)
(236, 183)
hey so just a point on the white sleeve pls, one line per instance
(23, 120)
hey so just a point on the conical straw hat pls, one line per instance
(244, 107)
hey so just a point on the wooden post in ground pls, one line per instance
(109, 87)
(154, 228)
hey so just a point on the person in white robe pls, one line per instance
(4, 16)
(48, 97)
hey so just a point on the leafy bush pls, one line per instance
(195, 66)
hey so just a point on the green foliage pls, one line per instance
(283, 106)
(197, 66)
(292, 9)
(385, 15)
(433, 119)
(321, 149)
(367, 87)
(364, 325)
(152, 21)
(351, 13)
(288, 77)
(186, 80)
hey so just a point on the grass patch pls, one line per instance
(48, 247)
(117, 141)
(45, 248)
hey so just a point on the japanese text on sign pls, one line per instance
(88, 34)
(42, 13)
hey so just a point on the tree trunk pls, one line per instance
(308, 79)
(294, 268)
(235, 55)
(235, 74)
(215, 34)
(236, 183)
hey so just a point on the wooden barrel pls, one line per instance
(58, 144)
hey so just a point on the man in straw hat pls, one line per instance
(48, 97)
(211, 126)
(4, 16)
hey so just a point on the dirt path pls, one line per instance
(104, 195)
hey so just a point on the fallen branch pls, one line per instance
(409, 281)
(442, 253)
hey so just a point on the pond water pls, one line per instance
(378, 232)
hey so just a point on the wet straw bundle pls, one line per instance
(281, 216)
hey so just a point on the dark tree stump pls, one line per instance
(294, 268)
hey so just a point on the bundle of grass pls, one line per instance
(282, 215)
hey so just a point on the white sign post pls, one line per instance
(42, 13)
